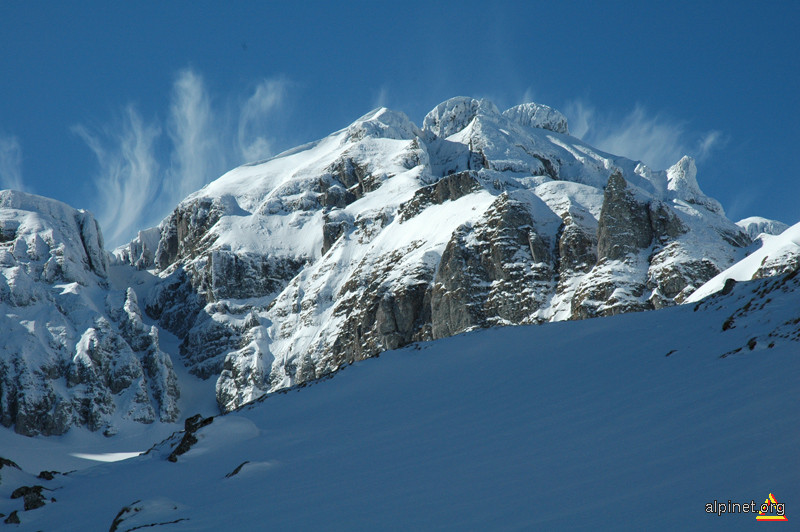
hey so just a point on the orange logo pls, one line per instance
(772, 506)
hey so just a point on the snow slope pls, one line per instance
(630, 422)
(777, 254)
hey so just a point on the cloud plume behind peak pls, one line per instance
(10, 163)
(657, 140)
(146, 167)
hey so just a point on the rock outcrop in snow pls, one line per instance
(385, 233)
(73, 351)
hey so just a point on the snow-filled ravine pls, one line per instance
(633, 422)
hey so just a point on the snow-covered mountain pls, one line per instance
(776, 255)
(73, 350)
(627, 422)
(756, 225)
(385, 233)
(379, 235)
(382, 235)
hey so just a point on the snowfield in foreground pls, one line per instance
(629, 422)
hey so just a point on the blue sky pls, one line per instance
(123, 108)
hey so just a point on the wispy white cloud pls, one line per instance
(708, 143)
(10, 163)
(528, 96)
(138, 182)
(382, 98)
(581, 117)
(254, 116)
(128, 180)
(658, 140)
(198, 154)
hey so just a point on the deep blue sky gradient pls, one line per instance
(697, 67)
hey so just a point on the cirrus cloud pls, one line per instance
(10, 163)
(146, 167)
(657, 140)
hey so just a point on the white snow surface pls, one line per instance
(571, 426)
(775, 250)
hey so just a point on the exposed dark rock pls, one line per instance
(334, 226)
(183, 311)
(93, 245)
(377, 319)
(577, 249)
(31, 496)
(175, 303)
(191, 426)
(238, 468)
(450, 187)
(185, 302)
(737, 239)
(335, 194)
(727, 288)
(197, 421)
(550, 168)
(227, 275)
(499, 275)
(355, 177)
(123, 514)
(185, 233)
(12, 519)
(204, 347)
(772, 267)
(601, 294)
(8, 231)
(5, 462)
(624, 225)
(672, 279)
(664, 222)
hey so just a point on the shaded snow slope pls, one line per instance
(628, 423)
(385, 233)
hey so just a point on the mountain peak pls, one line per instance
(682, 183)
(453, 115)
(383, 123)
(538, 115)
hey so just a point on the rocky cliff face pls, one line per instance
(385, 233)
(73, 351)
